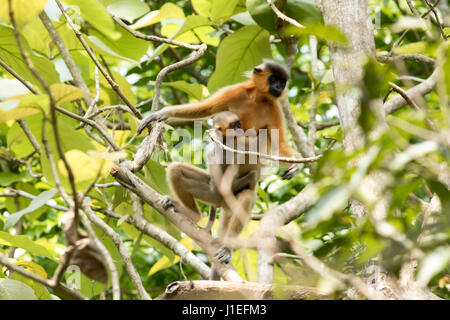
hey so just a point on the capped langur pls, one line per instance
(189, 183)
(255, 102)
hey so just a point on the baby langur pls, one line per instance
(235, 177)
(215, 186)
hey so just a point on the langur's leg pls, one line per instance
(231, 225)
(188, 183)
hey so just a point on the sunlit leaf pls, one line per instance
(15, 290)
(63, 92)
(193, 89)
(128, 9)
(238, 53)
(95, 14)
(168, 10)
(21, 241)
(24, 11)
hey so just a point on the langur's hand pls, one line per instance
(290, 172)
(224, 255)
(155, 116)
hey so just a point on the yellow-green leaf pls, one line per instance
(84, 166)
(24, 11)
(15, 290)
(162, 263)
(168, 10)
(202, 7)
(21, 241)
(63, 92)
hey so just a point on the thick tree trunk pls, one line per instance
(352, 17)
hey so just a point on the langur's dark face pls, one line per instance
(276, 84)
(235, 125)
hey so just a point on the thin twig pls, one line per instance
(94, 102)
(405, 96)
(282, 16)
(261, 155)
(91, 54)
(140, 35)
(194, 56)
(105, 253)
(438, 22)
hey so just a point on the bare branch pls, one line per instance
(225, 290)
(177, 215)
(194, 56)
(270, 223)
(140, 35)
(135, 278)
(214, 138)
(406, 57)
(421, 89)
(282, 16)
(320, 125)
(438, 21)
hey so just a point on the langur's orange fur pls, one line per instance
(253, 102)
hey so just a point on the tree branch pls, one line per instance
(226, 290)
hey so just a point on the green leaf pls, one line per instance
(40, 290)
(244, 18)
(194, 89)
(202, 7)
(156, 177)
(194, 29)
(168, 10)
(94, 13)
(18, 142)
(321, 31)
(161, 264)
(10, 54)
(190, 23)
(222, 9)
(445, 76)
(128, 9)
(15, 290)
(6, 178)
(126, 47)
(303, 11)
(415, 47)
(28, 104)
(239, 52)
(71, 139)
(36, 203)
(24, 11)
(21, 241)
